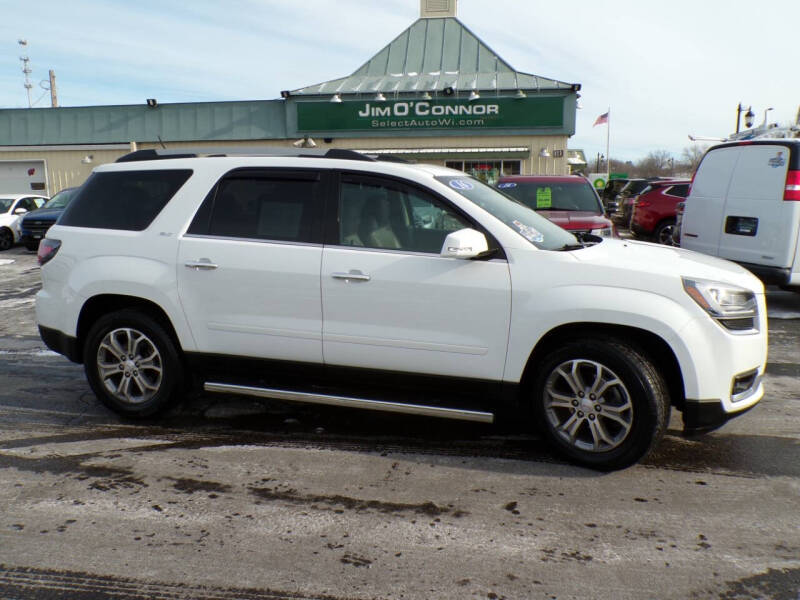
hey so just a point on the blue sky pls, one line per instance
(666, 69)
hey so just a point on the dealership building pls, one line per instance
(435, 94)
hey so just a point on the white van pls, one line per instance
(744, 205)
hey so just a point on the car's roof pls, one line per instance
(18, 196)
(666, 182)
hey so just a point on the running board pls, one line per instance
(396, 407)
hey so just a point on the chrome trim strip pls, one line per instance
(404, 344)
(287, 333)
(223, 238)
(395, 407)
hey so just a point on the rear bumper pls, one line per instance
(62, 343)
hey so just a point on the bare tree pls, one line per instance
(658, 163)
(691, 155)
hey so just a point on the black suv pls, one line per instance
(35, 224)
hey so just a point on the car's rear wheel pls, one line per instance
(602, 403)
(6, 238)
(665, 233)
(132, 364)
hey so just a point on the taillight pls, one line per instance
(792, 191)
(642, 203)
(47, 250)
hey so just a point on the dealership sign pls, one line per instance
(369, 115)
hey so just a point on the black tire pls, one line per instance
(6, 238)
(632, 414)
(154, 375)
(32, 246)
(663, 234)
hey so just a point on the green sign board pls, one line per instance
(618, 176)
(393, 115)
(544, 197)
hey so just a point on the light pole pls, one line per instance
(600, 159)
(748, 117)
(764, 124)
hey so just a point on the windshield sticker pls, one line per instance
(544, 197)
(528, 232)
(461, 184)
(777, 161)
(507, 184)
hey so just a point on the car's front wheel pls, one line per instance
(6, 238)
(132, 364)
(602, 403)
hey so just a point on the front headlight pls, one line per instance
(733, 307)
(607, 232)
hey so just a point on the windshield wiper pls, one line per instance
(567, 247)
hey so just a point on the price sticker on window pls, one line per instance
(544, 197)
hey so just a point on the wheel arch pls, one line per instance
(648, 343)
(102, 304)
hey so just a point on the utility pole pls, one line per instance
(26, 69)
(53, 94)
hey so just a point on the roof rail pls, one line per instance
(162, 154)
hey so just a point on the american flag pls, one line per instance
(601, 120)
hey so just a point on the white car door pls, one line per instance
(702, 217)
(758, 226)
(390, 302)
(249, 265)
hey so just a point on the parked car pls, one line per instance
(610, 192)
(34, 225)
(307, 276)
(12, 207)
(744, 205)
(569, 201)
(625, 199)
(654, 210)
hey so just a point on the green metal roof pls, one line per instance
(213, 121)
(431, 55)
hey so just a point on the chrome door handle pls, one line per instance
(204, 263)
(353, 275)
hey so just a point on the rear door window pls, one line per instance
(262, 205)
(127, 200)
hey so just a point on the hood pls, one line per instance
(576, 219)
(43, 214)
(655, 260)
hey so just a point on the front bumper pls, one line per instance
(702, 416)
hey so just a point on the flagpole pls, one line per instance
(608, 139)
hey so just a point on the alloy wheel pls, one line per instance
(588, 405)
(129, 366)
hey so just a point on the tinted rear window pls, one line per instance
(123, 199)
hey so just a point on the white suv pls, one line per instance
(338, 278)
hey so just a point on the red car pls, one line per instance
(655, 210)
(569, 201)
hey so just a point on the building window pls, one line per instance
(487, 170)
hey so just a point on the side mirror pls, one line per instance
(20, 211)
(464, 243)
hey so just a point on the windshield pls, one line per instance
(544, 195)
(61, 199)
(5, 204)
(533, 227)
